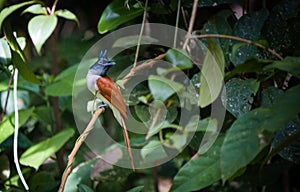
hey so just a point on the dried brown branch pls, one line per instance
(76, 147)
(145, 65)
(192, 21)
(273, 52)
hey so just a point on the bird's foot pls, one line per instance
(102, 106)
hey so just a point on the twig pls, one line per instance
(273, 52)
(145, 65)
(192, 21)
(7, 96)
(77, 145)
(15, 147)
(140, 35)
(54, 7)
(177, 21)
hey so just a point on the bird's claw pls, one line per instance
(102, 106)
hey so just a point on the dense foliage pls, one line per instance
(254, 45)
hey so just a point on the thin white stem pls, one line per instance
(15, 147)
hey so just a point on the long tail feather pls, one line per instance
(127, 143)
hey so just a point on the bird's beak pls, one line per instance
(110, 63)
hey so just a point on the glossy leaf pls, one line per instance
(239, 95)
(5, 55)
(288, 64)
(153, 151)
(162, 88)
(9, 10)
(249, 134)
(37, 154)
(4, 168)
(84, 188)
(201, 171)
(6, 126)
(40, 28)
(80, 175)
(269, 96)
(212, 75)
(131, 41)
(43, 181)
(67, 15)
(218, 24)
(136, 189)
(36, 9)
(179, 58)
(63, 83)
(18, 57)
(292, 151)
(116, 14)
(248, 27)
(279, 31)
(250, 66)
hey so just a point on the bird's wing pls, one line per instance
(110, 91)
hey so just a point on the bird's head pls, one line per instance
(102, 65)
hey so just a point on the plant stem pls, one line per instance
(76, 147)
(273, 52)
(192, 21)
(54, 7)
(140, 35)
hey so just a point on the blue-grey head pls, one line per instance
(102, 65)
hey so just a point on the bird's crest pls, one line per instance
(102, 57)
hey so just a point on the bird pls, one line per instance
(104, 88)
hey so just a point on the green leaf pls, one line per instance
(136, 189)
(43, 181)
(5, 55)
(280, 29)
(179, 58)
(4, 168)
(7, 126)
(218, 24)
(289, 152)
(288, 64)
(201, 171)
(67, 15)
(116, 14)
(61, 88)
(36, 9)
(9, 10)
(252, 65)
(40, 28)
(212, 75)
(162, 88)
(249, 134)
(153, 151)
(249, 27)
(37, 154)
(239, 95)
(269, 96)
(18, 57)
(63, 83)
(84, 188)
(131, 41)
(67, 74)
(80, 175)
